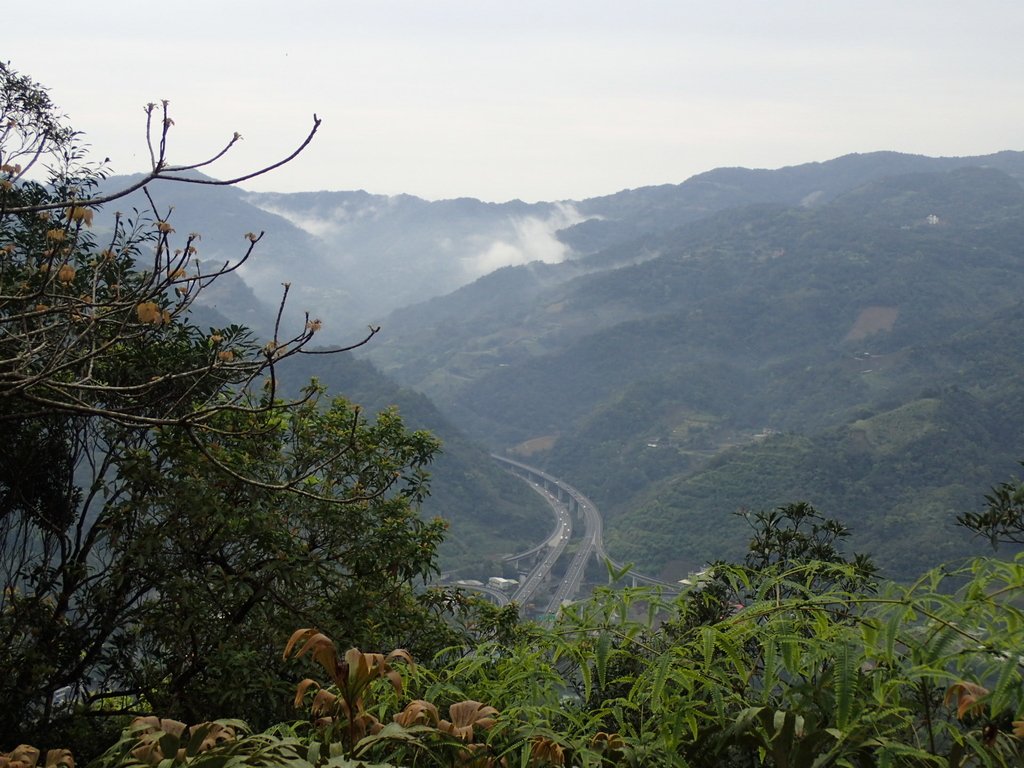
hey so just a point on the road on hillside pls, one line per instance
(592, 544)
(562, 529)
(551, 549)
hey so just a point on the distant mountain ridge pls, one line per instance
(353, 257)
(632, 213)
(673, 361)
(399, 250)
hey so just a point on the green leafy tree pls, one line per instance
(234, 563)
(919, 675)
(164, 515)
(1002, 520)
(796, 535)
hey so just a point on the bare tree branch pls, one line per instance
(165, 173)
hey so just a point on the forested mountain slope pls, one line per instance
(629, 214)
(891, 310)
(661, 326)
(490, 513)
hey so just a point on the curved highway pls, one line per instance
(555, 544)
(565, 497)
(590, 546)
(562, 529)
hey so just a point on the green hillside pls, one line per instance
(490, 513)
(855, 353)
(894, 478)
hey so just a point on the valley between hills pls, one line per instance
(845, 333)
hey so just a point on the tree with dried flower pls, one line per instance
(164, 513)
(76, 313)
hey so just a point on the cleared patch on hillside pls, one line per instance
(534, 445)
(872, 320)
(686, 421)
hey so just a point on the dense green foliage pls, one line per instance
(165, 516)
(1002, 521)
(786, 660)
(891, 475)
(232, 563)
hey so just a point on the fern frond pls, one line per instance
(845, 677)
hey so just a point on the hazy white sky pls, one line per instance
(535, 99)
